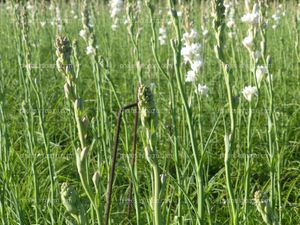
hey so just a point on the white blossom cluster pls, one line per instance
(58, 18)
(248, 41)
(191, 53)
(253, 20)
(230, 18)
(252, 17)
(115, 9)
(279, 13)
(162, 35)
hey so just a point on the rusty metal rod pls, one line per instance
(136, 121)
(114, 159)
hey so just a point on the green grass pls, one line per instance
(25, 181)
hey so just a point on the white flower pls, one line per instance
(251, 18)
(179, 13)
(114, 12)
(190, 52)
(230, 23)
(227, 5)
(260, 73)
(248, 41)
(196, 47)
(115, 9)
(162, 40)
(162, 36)
(43, 23)
(196, 65)
(193, 34)
(247, 18)
(190, 37)
(204, 32)
(82, 33)
(29, 6)
(90, 50)
(202, 90)
(116, 6)
(190, 76)
(114, 27)
(187, 53)
(257, 54)
(249, 92)
(139, 6)
(266, 23)
(276, 17)
(162, 31)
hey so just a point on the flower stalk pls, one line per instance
(149, 123)
(176, 46)
(219, 25)
(63, 63)
(72, 203)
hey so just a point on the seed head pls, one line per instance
(146, 106)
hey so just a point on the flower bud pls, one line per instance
(162, 178)
(83, 153)
(59, 66)
(69, 69)
(70, 198)
(148, 155)
(85, 122)
(263, 206)
(67, 89)
(78, 103)
(96, 179)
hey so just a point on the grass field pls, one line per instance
(138, 112)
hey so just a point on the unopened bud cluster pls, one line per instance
(64, 66)
(147, 106)
(263, 206)
(63, 53)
